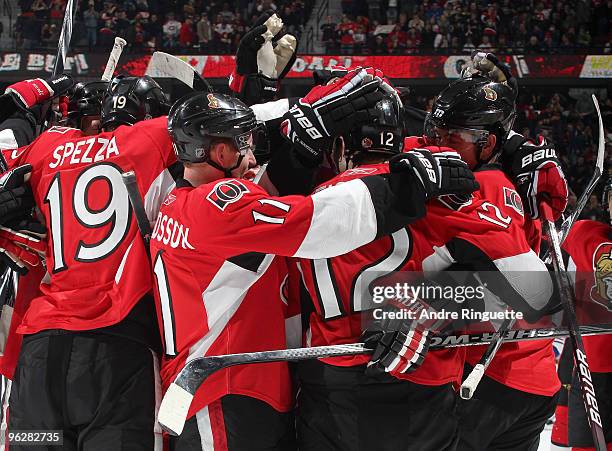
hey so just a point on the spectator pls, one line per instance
(416, 22)
(533, 46)
(485, 45)
(91, 16)
(204, 33)
(223, 36)
(329, 35)
(186, 35)
(154, 30)
(171, 30)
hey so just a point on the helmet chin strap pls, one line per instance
(226, 171)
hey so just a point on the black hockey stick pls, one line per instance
(568, 300)
(62, 51)
(129, 180)
(175, 404)
(580, 204)
(469, 385)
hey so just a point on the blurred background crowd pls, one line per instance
(367, 27)
(201, 26)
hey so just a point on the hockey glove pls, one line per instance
(329, 111)
(537, 174)
(23, 246)
(437, 173)
(489, 66)
(16, 199)
(260, 63)
(401, 339)
(28, 93)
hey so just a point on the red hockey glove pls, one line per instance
(23, 247)
(36, 91)
(537, 174)
(16, 199)
(329, 111)
(437, 173)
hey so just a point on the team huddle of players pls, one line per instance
(244, 257)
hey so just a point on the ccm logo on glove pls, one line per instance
(305, 123)
(539, 154)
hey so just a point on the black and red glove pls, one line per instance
(23, 245)
(329, 111)
(537, 174)
(262, 61)
(36, 91)
(16, 198)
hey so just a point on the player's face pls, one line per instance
(464, 141)
(90, 125)
(252, 166)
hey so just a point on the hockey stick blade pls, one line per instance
(174, 407)
(164, 65)
(580, 204)
(113, 58)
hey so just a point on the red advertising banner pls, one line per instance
(28, 65)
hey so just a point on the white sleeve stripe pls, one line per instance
(270, 110)
(7, 139)
(159, 189)
(343, 219)
(528, 276)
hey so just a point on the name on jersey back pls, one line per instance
(90, 150)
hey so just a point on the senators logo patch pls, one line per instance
(212, 101)
(226, 192)
(490, 94)
(601, 292)
(169, 199)
(513, 200)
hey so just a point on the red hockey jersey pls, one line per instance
(96, 258)
(331, 283)
(219, 277)
(590, 249)
(526, 366)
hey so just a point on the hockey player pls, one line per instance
(85, 105)
(519, 390)
(86, 365)
(589, 246)
(215, 241)
(339, 406)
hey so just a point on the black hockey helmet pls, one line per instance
(475, 105)
(197, 119)
(383, 135)
(132, 99)
(84, 100)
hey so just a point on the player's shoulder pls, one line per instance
(225, 194)
(355, 173)
(586, 232)
(57, 133)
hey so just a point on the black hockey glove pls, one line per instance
(437, 173)
(16, 198)
(537, 174)
(329, 111)
(261, 63)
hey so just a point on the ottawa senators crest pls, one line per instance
(212, 101)
(601, 292)
(226, 192)
(490, 94)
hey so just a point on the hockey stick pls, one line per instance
(469, 385)
(175, 404)
(164, 65)
(580, 204)
(129, 180)
(471, 382)
(568, 299)
(113, 58)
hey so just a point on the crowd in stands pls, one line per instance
(404, 27)
(202, 26)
